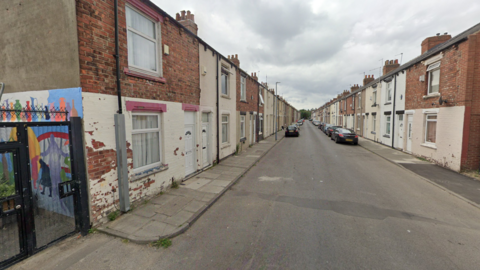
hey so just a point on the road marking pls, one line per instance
(272, 179)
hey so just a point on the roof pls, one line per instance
(436, 49)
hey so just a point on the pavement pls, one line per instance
(173, 212)
(457, 184)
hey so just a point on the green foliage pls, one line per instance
(238, 148)
(174, 184)
(305, 114)
(6, 188)
(92, 230)
(113, 215)
(165, 243)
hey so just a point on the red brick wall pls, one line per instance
(251, 90)
(96, 41)
(460, 86)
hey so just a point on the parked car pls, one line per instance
(322, 124)
(331, 129)
(315, 122)
(300, 122)
(324, 129)
(345, 135)
(292, 130)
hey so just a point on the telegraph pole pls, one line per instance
(276, 111)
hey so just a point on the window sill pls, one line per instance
(431, 95)
(386, 136)
(139, 175)
(225, 96)
(225, 145)
(131, 73)
(388, 103)
(244, 101)
(429, 145)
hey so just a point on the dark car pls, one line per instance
(345, 135)
(324, 127)
(331, 129)
(292, 130)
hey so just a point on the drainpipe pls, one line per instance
(394, 114)
(258, 112)
(218, 116)
(120, 136)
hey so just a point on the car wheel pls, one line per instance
(336, 140)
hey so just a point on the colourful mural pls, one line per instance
(41, 106)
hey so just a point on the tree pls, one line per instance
(305, 114)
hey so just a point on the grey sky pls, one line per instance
(316, 49)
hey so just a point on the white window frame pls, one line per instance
(157, 40)
(374, 96)
(242, 124)
(353, 102)
(426, 127)
(388, 124)
(260, 122)
(228, 127)
(435, 67)
(225, 73)
(360, 101)
(389, 92)
(374, 119)
(141, 131)
(243, 88)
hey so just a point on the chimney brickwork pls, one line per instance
(390, 65)
(431, 42)
(368, 79)
(187, 20)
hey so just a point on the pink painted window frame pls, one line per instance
(190, 107)
(137, 106)
(146, 9)
(132, 73)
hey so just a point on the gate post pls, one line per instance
(82, 209)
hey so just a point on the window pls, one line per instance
(431, 128)
(387, 125)
(260, 129)
(146, 140)
(389, 91)
(360, 101)
(433, 78)
(374, 120)
(358, 122)
(243, 91)
(224, 83)
(375, 97)
(142, 43)
(224, 128)
(242, 126)
(353, 102)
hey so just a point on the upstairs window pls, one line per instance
(142, 43)
(374, 97)
(224, 83)
(433, 78)
(389, 91)
(243, 91)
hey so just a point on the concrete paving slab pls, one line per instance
(159, 217)
(179, 218)
(225, 177)
(209, 175)
(128, 223)
(187, 192)
(208, 197)
(253, 156)
(174, 206)
(194, 206)
(147, 211)
(152, 229)
(162, 199)
(211, 189)
(196, 183)
(220, 183)
(169, 229)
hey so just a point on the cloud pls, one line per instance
(319, 48)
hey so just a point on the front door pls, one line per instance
(409, 133)
(251, 130)
(12, 234)
(254, 128)
(205, 136)
(189, 143)
(400, 131)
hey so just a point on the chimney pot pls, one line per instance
(177, 17)
(192, 17)
(438, 34)
(446, 33)
(183, 14)
(396, 61)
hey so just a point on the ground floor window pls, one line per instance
(431, 128)
(374, 121)
(225, 128)
(260, 129)
(387, 124)
(146, 140)
(242, 126)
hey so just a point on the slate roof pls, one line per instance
(436, 49)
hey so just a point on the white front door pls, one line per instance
(189, 143)
(400, 131)
(254, 127)
(205, 141)
(409, 133)
(364, 126)
(251, 130)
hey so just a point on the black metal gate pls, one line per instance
(42, 198)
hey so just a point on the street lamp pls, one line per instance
(276, 111)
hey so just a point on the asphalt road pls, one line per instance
(312, 204)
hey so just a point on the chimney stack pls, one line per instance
(390, 65)
(187, 20)
(354, 87)
(235, 60)
(254, 76)
(368, 79)
(431, 42)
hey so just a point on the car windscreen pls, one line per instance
(292, 127)
(345, 131)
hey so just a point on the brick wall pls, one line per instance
(96, 41)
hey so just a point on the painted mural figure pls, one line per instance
(55, 154)
(45, 179)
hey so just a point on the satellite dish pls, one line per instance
(441, 101)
